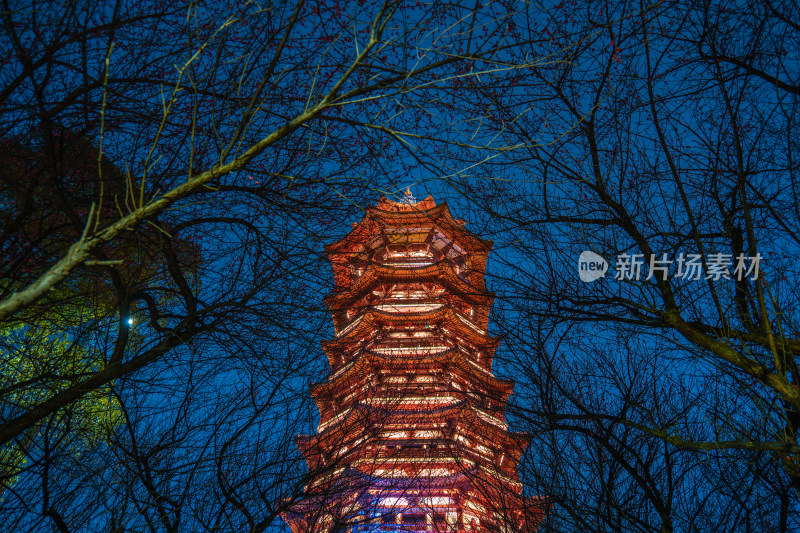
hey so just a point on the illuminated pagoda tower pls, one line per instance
(412, 433)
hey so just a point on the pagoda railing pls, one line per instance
(415, 453)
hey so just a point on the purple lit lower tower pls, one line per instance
(412, 433)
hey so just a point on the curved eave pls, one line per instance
(459, 479)
(373, 318)
(513, 442)
(369, 360)
(463, 411)
(438, 215)
(377, 273)
(480, 371)
(480, 321)
(372, 217)
(296, 520)
(307, 445)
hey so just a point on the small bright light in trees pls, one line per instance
(130, 321)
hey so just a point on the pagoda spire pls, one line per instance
(412, 433)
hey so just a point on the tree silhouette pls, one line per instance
(174, 173)
(665, 136)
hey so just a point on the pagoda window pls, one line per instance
(406, 235)
(414, 518)
(437, 501)
(395, 250)
(409, 293)
(393, 501)
(440, 240)
(395, 349)
(390, 472)
(434, 472)
(454, 251)
(356, 272)
(404, 255)
(419, 250)
(409, 308)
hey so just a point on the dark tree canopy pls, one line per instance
(170, 174)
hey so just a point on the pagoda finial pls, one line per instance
(409, 198)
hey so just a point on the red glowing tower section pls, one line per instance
(412, 433)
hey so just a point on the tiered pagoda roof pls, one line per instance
(412, 433)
